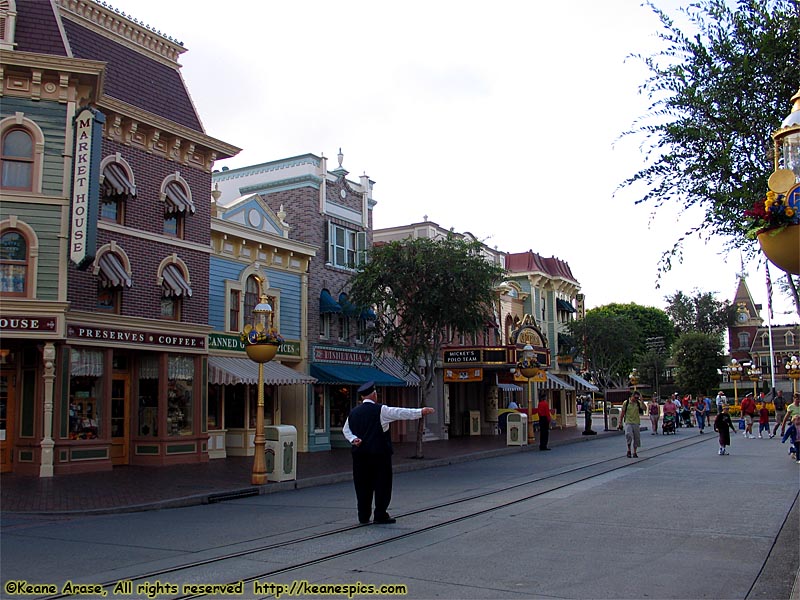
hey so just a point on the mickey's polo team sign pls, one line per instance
(85, 186)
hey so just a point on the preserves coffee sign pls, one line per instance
(85, 187)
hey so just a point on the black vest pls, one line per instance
(365, 423)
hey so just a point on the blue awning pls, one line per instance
(368, 315)
(327, 304)
(565, 306)
(348, 308)
(352, 375)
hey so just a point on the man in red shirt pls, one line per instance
(543, 410)
(748, 412)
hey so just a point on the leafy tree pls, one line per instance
(701, 313)
(421, 290)
(717, 90)
(650, 321)
(698, 357)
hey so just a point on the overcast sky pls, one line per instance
(498, 118)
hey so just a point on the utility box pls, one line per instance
(517, 429)
(474, 422)
(613, 417)
(281, 451)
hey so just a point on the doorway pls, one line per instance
(120, 419)
(7, 411)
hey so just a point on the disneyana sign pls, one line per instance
(88, 127)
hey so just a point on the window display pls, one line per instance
(148, 395)
(180, 398)
(341, 403)
(85, 394)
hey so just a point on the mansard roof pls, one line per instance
(531, 262)
(37, 29)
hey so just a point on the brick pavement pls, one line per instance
(131, 488)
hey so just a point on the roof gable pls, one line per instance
(252, 212)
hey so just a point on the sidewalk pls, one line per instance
(131, 488)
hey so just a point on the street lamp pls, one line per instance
(528, 368)
(735, 372)
(634, 378)
(793, 371)
(261, 342)
(754, 374)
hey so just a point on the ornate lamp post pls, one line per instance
(754, 375)
(261, 342)
(793, 371)
(634, 378)
(735, 373)
(528, 368)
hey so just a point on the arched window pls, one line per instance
(744, 339)
(252, 291)
(177, 197)
(175, 287)
(789, 339)
(17, 159)
(117, 187)
(13, 263)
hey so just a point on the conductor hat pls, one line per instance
(367, 388)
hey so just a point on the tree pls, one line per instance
(717, 93)
(422, 289)
(701, 313)
(650, 321)
(698, 357)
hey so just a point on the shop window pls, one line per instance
(18, 160)
(319, 408)
(148, 395)
(341, 404)
(85, 394)
(214, 417)
(180, 396)
(234, 406)
(13, 263)
(269, 405)
(117, 188)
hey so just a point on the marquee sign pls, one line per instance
(85, 199)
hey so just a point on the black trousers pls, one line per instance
(544, 433)
(372, 477)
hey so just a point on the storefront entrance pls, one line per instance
(120, 419)
(7, 406)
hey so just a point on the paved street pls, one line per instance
(581, 521)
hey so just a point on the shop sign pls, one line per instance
(467, 355)
(127, 336)
(332, 354)
(221, 341)
(85, 198)
(463, 375)
(23, 323)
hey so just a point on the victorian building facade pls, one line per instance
(105, 228)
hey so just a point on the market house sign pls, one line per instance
(27, 323)
(85, 200)
(128, 336)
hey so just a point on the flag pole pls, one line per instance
(769, 328)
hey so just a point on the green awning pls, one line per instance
(333, 374)
(564, 305)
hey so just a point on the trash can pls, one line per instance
(516, 429)
(281, 450)
(613, 417)
(474, 422)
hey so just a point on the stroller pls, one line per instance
(668, 427)
(686, 417)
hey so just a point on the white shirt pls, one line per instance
(388, 414)
(721, 400)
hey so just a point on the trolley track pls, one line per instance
(546, 484)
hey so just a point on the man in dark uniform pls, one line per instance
(367, 430)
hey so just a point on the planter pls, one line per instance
(261, 353)
(528, 373)
(783, 248)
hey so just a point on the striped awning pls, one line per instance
(510, 387)
(112, 272)
(228, 370)
(554, 383)
(115, 182)
(581, 384)
(394, 367)
(176, 199)
(174, 283)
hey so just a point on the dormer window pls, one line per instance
(8, 24)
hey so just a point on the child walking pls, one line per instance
(723, 425)
(763, 420)
(793, 433)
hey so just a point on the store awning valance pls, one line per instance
(353, 375)
(395, 367)
(554, 383)
(582, 384)
(510, 387)
(116, 182)
(348, 308)
(564, 305)
(112, 272)
(228, 370)
(176, 199)
(327, 304)
(174, 283)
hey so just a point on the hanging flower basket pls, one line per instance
(263, 352)
(782, 247)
